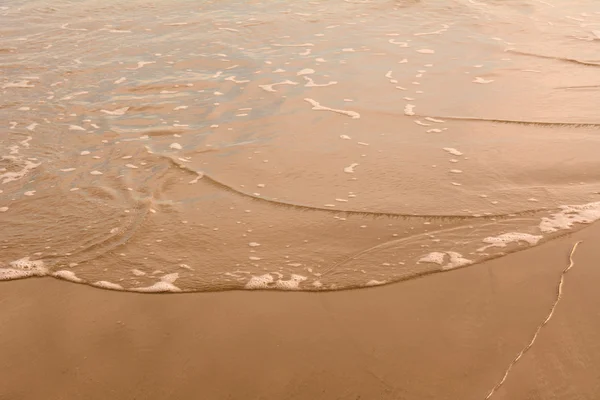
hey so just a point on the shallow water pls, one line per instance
(197, 146)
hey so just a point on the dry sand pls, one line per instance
(447, 336)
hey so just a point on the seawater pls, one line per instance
(317, 145)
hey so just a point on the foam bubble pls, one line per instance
(260, 282)
(311, 83)
(317, 106)
(23, 268)
(453, 151)
(158, 287)
(570, 215)
(374, 282)
(67, 275)
(482, 80)
(425, 51)
(409, 109)
(434, 257)
(511, 237)
(269, 88)
(350, 169)
(16, 175)
(456, 260)
(267, 281)
(118, 111)
(306, 71)
(108, 285)
(291, 284)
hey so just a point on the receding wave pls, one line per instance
(291, 146)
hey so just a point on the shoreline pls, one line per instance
(450, 336)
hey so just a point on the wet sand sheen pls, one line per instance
(449, 336)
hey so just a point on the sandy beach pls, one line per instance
(299, 200)
(447, 336)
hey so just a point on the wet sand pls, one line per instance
(446, 336)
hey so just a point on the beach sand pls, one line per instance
(447, 336)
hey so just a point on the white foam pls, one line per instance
(453, 151)
(269, 88)
(425, 51)
(374, 282)
(456, 260)
(3, 209)
(176, 146)
(400, 44)
(67, 275)
(267, 281)
(260, 282)
(311, 83)
(96, 173)
(7, 274)
(350, 169)
(409, 109)
(158, 287)
(108, 285)
(23, 268)
(570, 215)
(345, 137)
(291, 284)
(434, 257)
(317, 106)
(118, 111)
(481, 80)
(511, 237)
(18, 84)
(306, 71)
(141, 64)
(16, 175)
(253, 244)
(76, 128)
